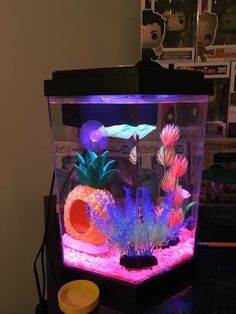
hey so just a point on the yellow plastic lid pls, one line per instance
(78, 297)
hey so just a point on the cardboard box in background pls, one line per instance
(216, 31)
(219, 102)
(168, 30)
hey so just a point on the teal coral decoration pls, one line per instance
(126, 131)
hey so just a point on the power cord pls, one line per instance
(41, 307)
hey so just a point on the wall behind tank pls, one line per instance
(38, 37)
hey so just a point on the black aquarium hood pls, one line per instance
(143, 78)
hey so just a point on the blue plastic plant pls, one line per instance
(133, 224)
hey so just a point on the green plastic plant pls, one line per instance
(93, 171)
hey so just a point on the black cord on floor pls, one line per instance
(42, 306)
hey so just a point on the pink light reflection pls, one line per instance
(108, 264)
(95, 136)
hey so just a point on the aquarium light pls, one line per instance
(128, 99)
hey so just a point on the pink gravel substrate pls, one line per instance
(108, 264)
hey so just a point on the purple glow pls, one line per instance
(93, 136)
(129, 99)
(108, 264)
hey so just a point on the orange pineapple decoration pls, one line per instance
(94, 175)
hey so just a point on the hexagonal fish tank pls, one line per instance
(128, 147)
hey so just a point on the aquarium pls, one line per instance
(128, 147)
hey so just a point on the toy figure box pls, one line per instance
(216, 35)
(127, 199)
(217, 115)
(232, 103)
(168, 30)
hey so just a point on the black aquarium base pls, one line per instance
(138, 262)
(136, 298)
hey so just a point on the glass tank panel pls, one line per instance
(128, 170)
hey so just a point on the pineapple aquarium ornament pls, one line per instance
(93, 175)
